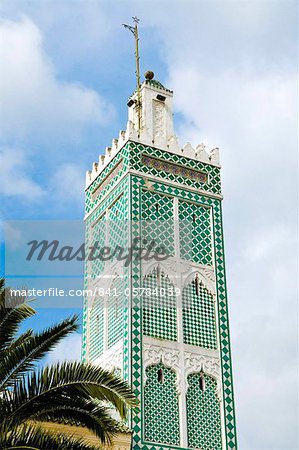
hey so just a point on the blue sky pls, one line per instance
(67, 70)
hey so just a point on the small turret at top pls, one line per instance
(155, 111)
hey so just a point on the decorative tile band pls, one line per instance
(112, 174)
(175, 169)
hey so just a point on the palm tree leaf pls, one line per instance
(71, 394)
(34, 436)
(19, 359)
(57, 384)
(91, 414)
(95, 418)
(16, 342)
(10, 319)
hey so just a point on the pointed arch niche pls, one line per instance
(159, 305)
(203, 412)
(198, 313)
(161, 405)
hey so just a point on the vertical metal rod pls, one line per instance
(134, 30)
(138, 76)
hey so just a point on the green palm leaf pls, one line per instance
(20, 358)
(56, 383)
(34, 437)
(10, 319)
(70, 393)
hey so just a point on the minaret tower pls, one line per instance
(162, 322)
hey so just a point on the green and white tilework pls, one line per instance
(157, 220)
(159, 308)
(161, 406)
(195, 233)
(115, 312)
(96, 344)
(203, 413)
(199, 204)
(199, 324)
(137, 185)
(136, 150)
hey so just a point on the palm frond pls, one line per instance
(96, 418)
(34, 436)
(72, 394)
(21, 358)
(18, 341)
(10, 319)
(56, 384)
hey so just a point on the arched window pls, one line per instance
(159, 312)
(115, 312)
(96, 329)
(199, 323)
(203, 413)
(161, 406)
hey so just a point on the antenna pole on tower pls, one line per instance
(134, 30)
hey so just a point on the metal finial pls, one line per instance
(134, 30)
(149, 75)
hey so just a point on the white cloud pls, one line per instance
(33, 97)
(69, 349)
(69, 178)
(13, 235)
(247, 105)
(268, 242)
(15, 176)
(230, 65)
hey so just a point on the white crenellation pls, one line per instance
(156, 130)
(201, 154)
(215, 156)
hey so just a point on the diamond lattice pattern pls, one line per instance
(195, 233)
(203, 414)
(115, 312)
(161, 407)
(116, 224)
(159, 307)
(199, 325)
(97, 237)
(96, 323)
(157, 221)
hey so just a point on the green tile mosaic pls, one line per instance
(136, 151)
(195, 233)
(115, 312)
(159, 307)
(134, 191)
(199, 323)
(96, 344)
(203, 413)
(119, 161)
(157, 220)
(161, 406)
(117, 225)
(113, 212)
(97, 233)
(137, 184)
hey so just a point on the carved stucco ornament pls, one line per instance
(193, 363)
